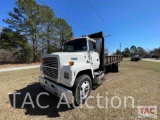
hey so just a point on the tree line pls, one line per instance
(32, 29)
(133, 50)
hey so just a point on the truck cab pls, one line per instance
(86, 46)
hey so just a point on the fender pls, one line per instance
(73, 72)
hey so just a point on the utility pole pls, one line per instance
(120, 46)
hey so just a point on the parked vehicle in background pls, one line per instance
(81, 66)
(135, 58)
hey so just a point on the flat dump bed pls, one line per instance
(108, 60)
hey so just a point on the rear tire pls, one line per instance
(116, 67)
(82, 89)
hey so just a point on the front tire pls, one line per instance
(82, 89)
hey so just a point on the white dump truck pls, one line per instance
(81, 66)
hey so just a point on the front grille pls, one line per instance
(50, 67)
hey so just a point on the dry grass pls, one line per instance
(138, 79)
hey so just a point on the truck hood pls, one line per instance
(65, 57)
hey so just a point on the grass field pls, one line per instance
(141, 80)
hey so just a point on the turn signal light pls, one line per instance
(71, 63)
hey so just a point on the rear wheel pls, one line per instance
(82, 89)
(116, 67)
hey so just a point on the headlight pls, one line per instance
(66, 75)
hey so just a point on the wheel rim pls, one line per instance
(84, 90)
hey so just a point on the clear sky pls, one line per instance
(130, 22)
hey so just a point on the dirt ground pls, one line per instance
(141, 80)
(17, 65)
(152, 60)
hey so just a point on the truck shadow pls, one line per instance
(34, 89)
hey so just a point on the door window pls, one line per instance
(92, 46)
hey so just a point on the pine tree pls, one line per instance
(26, 19)
(48, 33)
(64, 31)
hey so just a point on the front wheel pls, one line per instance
(82, 89)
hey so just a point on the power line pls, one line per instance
(99, 16)
(65, 16)
(71, 7)
(111, 45)
(69, 19)
(91, 15)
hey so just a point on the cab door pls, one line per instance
(93, 55)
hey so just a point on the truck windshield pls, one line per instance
(76, 45)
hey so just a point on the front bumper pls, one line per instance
(56, 89)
